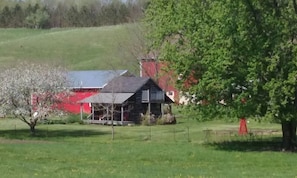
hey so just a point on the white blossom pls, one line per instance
(29, 88)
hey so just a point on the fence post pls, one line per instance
(174, 134)
(15, 127)
(188, 128)
(150, 137)
(47, 131)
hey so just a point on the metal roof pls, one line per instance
(107, 98)
(92, 78)
(124, 84)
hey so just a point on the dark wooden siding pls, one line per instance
(142, 108)
(139, 107)
(135, 113)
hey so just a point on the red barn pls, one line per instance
(84, 84)
(165, 79)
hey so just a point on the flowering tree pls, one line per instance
(31, 91)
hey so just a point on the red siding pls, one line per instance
(70, 102)
(156, 70)
(166, 80)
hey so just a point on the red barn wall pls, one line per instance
(166, 80)
(70, 103)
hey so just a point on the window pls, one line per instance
(145, 96)
(157, 96)
(169, 93)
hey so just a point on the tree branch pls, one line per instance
(295, 6)
(22, 118)
(255, 15)
(277, 11)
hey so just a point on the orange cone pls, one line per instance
(242, 127)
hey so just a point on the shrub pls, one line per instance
(148, 119)
(160, 121)
(68, 119)
(169, 119)
(74, 118)
(152, 120)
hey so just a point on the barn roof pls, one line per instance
(124, 84)
(108, 98)
(92, 78)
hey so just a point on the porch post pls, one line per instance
(122, 114)
(149, 103)
(92, 111)
(81, 111)
(162, 109)
(107, 113)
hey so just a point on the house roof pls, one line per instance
(124, 84)
(108, 98)
(92, 78)
(119, 90)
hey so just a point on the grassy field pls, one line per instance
(141, 151)
(73, 150)
(77, 49)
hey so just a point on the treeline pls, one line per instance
(47, 15)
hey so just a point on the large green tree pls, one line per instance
(237, 50)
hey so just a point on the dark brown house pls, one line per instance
(124, 99)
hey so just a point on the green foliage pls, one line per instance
(152, 120)
(69, 119)
(161, 121)
(74, 118)
(148, 120)
(237, 50)
(38, 19)
(52, 14)
(208, 112)
(145, 121)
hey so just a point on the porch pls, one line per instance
(109, 109)
(109, 122)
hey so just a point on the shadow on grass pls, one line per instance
(271, 144)
(45, 133)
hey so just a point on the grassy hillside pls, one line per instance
(77, 49)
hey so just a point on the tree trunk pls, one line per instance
(112, 127)
(289, 135)
(32, 125)
(32, 128)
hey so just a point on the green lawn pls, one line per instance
(140, 151)
(77, 49)
(73, 150)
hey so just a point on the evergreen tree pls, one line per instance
(6, 17)
(18, 16)
(73, 17)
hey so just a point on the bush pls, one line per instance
(169, 119)
(54, 122)
(152, 120)
(148, 119)
(69, 119)
(74, 118)
(161, 121)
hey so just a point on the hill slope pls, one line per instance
(77, 48)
